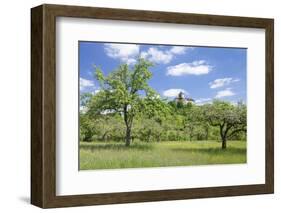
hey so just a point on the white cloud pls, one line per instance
(194, 68)
(128, 53)
(85, 83)
(225, 93)
(179, 50)
(131, 61)
(157, 55)
(202, 101)
(220, 82)
(124, 52)
(171, 93)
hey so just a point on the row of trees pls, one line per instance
(127, 109)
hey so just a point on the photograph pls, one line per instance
(150, 105)
(156, 100)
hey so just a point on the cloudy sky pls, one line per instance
(202, 73)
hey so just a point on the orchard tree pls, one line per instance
(124, 91)
(148, 129)
(87, 128)
(229, 118)
(108, 126)
(154, 113)
(193, 120)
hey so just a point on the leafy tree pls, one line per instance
(193, 120)
(146, 130)
(125, 91)
(108, 126)
(155, 113)
(229, 118)
(86, 128)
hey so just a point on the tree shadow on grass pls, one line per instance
(229, 150)
(116, 147)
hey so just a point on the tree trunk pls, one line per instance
(223, 137)
(148, 136)
(191, 135)
(223, 145)
(158, 138)
(128, 136)
(104, 136)
(207, 133)
(128, 126)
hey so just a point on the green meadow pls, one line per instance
(114, 155)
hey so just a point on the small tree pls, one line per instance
(124, 91)
(229, 118)
(107, 126)
(87, 129)
(192, 119)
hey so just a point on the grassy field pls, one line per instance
(112, 155)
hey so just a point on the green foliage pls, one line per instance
(127, 109)
(230, 119)
(121, 94)
(86, 128)
(193, 121)
(162, 122)
(120, 89)
(108, 128)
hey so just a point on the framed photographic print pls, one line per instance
(136, 106)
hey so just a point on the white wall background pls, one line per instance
(15, 105)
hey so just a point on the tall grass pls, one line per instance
(112, 155)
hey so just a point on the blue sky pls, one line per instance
(202, 73)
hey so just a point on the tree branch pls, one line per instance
(235, 131)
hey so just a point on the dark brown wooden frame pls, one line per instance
(43, 105)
